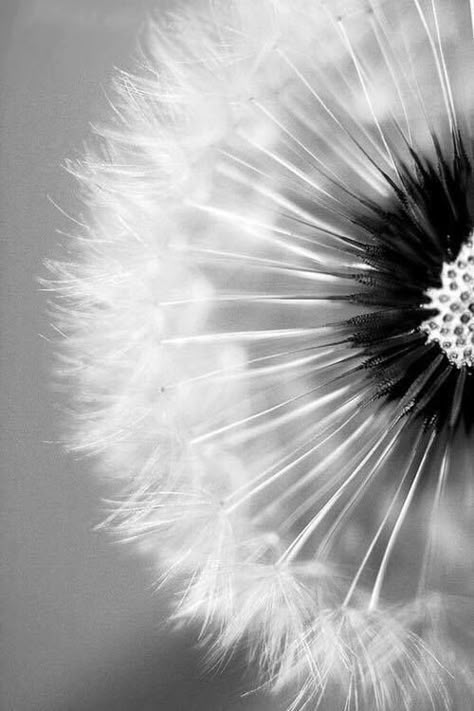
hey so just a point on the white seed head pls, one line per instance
(453, 326)
(227, 373)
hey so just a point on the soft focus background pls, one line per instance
(82, 628)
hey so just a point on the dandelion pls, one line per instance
(269, 321)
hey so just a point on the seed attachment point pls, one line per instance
(453, 326)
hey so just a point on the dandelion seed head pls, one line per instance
(268, 321)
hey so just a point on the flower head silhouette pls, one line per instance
(269, 319)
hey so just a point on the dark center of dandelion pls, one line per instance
(453, 326)
(418, 339)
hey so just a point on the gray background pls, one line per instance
(81, 628)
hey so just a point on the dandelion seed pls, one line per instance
(270, 325)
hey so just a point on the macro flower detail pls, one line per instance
(269, 323)
(452, 326)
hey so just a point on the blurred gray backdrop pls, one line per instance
(81, 627)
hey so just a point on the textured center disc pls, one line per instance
(453, 326)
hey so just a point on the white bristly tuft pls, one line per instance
(304, 508)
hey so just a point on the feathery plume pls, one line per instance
(269, 321)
